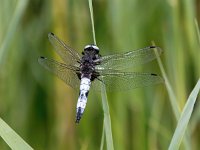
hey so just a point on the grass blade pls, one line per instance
(17, 15)
(184, 119)
(13, 140)
(197, 29)
(102, 138)
(107, 121)
(172, 97)
(92, 20)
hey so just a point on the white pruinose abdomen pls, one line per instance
(82, 100)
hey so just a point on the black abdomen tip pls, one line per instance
(152, 46)
(153, 74)
(78, 115)
(78, 118)
(51, 34)
(77, 121)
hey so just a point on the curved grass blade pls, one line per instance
(172, 98)
(14, 141)
(184, 119)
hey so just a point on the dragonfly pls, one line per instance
(92, 70)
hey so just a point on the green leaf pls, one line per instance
(17, 16)
(184, 119)
(107, 121)
(14, 141)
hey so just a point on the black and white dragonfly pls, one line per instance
(80, 71)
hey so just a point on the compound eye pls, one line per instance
(87, 47)
(95, 47)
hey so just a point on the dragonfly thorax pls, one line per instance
(88, 63)
(86, 68)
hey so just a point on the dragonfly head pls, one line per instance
(90, 48)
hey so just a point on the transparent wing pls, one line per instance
(68, 55)
(122, 81)
(128, 59)
(67, 73)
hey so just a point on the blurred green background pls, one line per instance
(41, 108)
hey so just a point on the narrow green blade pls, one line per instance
(184, 119)
(107, 120)
(14, 141)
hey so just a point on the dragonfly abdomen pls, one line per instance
(82, 100)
